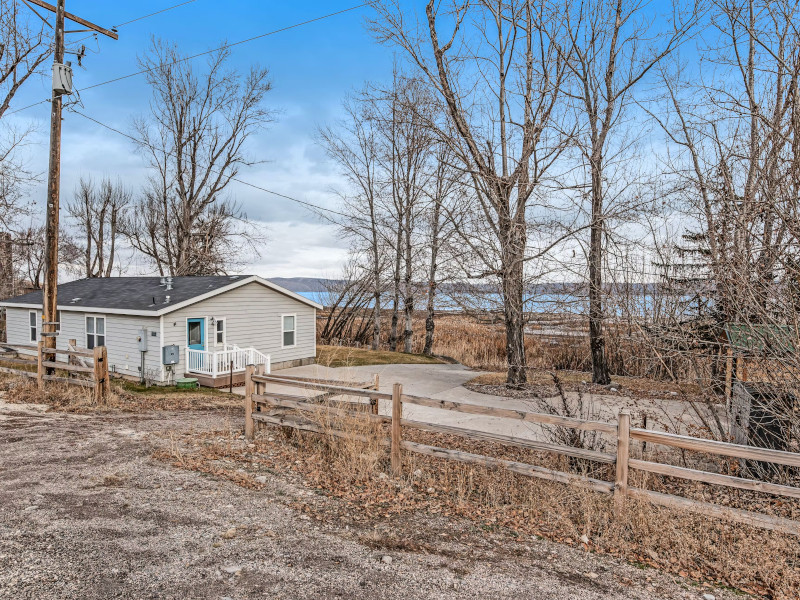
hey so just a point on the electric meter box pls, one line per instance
(62, 78)
(141, 339)
(170, 355)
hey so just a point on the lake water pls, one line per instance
(542, 303)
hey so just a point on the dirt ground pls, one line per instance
(86, 512)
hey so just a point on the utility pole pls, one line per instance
(50, 291)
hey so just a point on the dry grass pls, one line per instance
(354, 470)
(482, 345)
(58, 396)
(345, 356)
(579, 381)
(125, 397)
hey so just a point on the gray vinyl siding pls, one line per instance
(17, 326)
(252, 316)
(121, 337)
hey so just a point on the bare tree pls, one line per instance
(384, 146)
(97, 213)
(408, 111)
(24, 47)
(29, 253)
(347, 301)
(497, 69)
(444, 193)
(194, 140)
(733, 160)
(613, 45)
(353, 144)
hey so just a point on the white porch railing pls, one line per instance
(219, 363)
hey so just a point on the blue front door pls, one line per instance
(196, 334)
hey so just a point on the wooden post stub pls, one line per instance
(39, 365)
(106, 375)
(71, 344)
(397, 414)
(249, 370)
(259, 385)
(98, 374)
(623, 453)
(376, 384)
(258, 388)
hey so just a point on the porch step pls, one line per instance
(221, 381)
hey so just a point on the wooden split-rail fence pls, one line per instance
(86, 368)
(268, 407)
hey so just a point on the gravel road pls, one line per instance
(85, 512)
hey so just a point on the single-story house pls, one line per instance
(171, 327)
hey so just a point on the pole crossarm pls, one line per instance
(77, 19)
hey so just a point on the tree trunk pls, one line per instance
(376, 321)
(597, 340)
(408, 334)
(515, 329)
(514, 241)
(430, 323)
(376, 279)
(396, 300)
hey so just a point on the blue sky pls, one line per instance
(312, 68)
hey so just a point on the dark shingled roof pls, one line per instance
(130, 293)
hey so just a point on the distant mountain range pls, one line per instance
(303, 284)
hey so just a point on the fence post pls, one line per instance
(72, 360)
(39, 365)
(397, 414)
(248, 401)
(376, 383)
(99, 376)
(259, 389)
(623, 453)
(106, 374)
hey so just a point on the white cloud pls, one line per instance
(300, 250)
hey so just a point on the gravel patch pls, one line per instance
(85, 512)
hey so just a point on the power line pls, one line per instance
(240, 42)
(11, 112)
(236, 179)
(263, 35)
(94, 35)
(115, 27)
(158, 12)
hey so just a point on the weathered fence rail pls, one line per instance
(47, 366)
(271, 408)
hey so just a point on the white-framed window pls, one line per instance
(219, 332)
(33, 321)
(95, 331)
(289, 330)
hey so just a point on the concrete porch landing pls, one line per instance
(220, 381)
